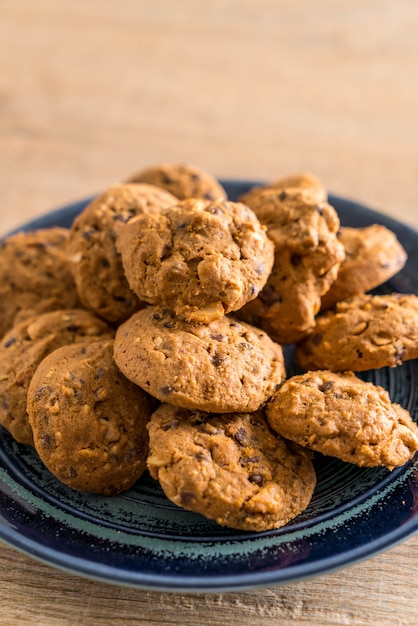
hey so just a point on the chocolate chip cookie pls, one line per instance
(183, 181)
(372, 255)
(303, 181)
(200, 258)
(307, 258)
(361, 333)
(342, 416)
(224, 366)
(88, 420)
(24, 347)
(95, 262)
(229, 468)
(35, 276)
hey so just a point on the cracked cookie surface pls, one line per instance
(361, 333)
(229, 468)
(223, 366)
(372, 255)
(88, 420)
(94, 260)
(342, 416)
(307, 258)
(24, 347)
(202, 259)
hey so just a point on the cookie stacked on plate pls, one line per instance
(165, 349)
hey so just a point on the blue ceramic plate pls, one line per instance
(140, 539)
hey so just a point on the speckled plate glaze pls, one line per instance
(140, 539)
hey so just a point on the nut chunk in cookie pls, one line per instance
(372, 256)
(181, 180)
(88, 420)
(364, 332)
(342, 416)
(229, 468)
(224, 366)
(94, 260)
(202, 259)
(307, 258)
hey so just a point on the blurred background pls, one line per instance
(92, 91)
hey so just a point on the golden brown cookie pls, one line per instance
(307, 257)
(372, 255)
(95, 262)
(200, 258)
(229, 468)
(35, 276)
(342, 416)
(224, 366)
(88, 420)
(303, 181)
(183, 181)
(25, 346)
(361, 333)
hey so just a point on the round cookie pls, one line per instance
(35, 276)
(229, 468)
(183, 181)
(372, 255)
(88, 420)
(307, 258)
(25, 346)
(342, 416)
(224, 366)
(303, 181)
(200, 258)
(95, 262)
(362, 333)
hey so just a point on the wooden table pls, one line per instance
(90, 91)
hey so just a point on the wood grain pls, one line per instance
(91, 91)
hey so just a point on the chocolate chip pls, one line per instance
(316, 338)
(241, 436)
(283, 196)
(169, 324)
(257, 479)
(10, 342)
(218, 336)
(217, 360)
(186, 497)
(166, 390)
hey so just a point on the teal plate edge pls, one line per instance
(141, 540)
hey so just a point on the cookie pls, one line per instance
(25, 346)
(342, 416)
(372, 255)
(35, 276)
(307, 258)
(362, 333)
(88, 420)
(224, 366)
(229, 468)
(183, 181)
(95, 262)
(303, 181)
(200, 258)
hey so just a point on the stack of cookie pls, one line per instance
(159, 344)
